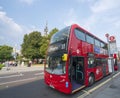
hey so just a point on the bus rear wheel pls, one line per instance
(91, 79)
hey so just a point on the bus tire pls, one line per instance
(91, 79)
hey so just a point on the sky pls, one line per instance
(20, 17)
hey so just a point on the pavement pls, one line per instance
(13, 69)
(112, 90)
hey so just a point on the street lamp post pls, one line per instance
(110, 59)
(107, 36)
(111, 64)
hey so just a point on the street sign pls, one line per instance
(107, 35)
(112, 38)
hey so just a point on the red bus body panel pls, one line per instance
(58, 82)
(76, 47)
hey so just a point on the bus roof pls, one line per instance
(85, 31)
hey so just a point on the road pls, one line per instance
(8, 79)
(19, 78)
(31, 85)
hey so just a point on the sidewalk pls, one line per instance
(112, 91)
(20, 69)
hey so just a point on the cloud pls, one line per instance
(104, 18)
(8, 25)
(28, 2)
(70, 17)
(1, 38)
(10, 32)
(104, 5)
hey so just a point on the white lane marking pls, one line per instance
(37, 74)
(95, 88)
(116, 75)
(11, 76)
(83, 95)
(18, 81)
(86, 91)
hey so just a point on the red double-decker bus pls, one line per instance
(75, 59)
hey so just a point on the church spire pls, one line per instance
(46, 29)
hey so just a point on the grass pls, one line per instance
(1, 65)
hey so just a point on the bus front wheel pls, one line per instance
(91, 79)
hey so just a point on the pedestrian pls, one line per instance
(7, 65)
(30, 63)
(22, 64)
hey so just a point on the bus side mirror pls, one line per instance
(64, 57)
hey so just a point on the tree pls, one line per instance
(5, 53)
(44, 46)
(53, 31)
(34, 45)
(31, 45)
(45, 42)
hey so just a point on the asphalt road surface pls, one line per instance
(31, 85)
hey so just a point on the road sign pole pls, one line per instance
(107, 36)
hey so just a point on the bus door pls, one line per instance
(98, 69)
(104, 64)
(77, 73)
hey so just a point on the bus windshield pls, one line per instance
(55, 65)
(57, 47)
(61, 35)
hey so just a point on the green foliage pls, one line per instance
(1, 65)
(31, 45)
(52, 32)
(45, 42)
(35, 46)
(5, 53)
(44, 46)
